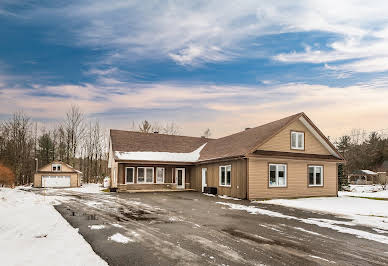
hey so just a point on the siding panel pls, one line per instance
(297, 184)
(282, 141)
(238, 187)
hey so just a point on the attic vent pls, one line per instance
(247, 128)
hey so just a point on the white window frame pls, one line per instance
(277, 175)
(296, 147)
(315, 178)
(145, 175)
(56, 165)
(133, 175)
(219, 175)
(164, 174)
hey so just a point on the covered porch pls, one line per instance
(362, 177)
(155, 177)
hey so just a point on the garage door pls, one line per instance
(55, 181)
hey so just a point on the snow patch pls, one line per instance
(30, 223)
(96, 227)
(87, 188)
(117, 225)
(316, 257)
(160, 156)
(307, 231)
(209, 195)
(227, 197)
(119, 238)
(326, 223)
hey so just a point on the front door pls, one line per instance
(204, 178)
(180, 177)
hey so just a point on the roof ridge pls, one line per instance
(161, 134)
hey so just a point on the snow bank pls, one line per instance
(362, 211)
(373, 191)
(160, 156)
(34, 233)
(87, 188)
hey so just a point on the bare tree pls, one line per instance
(171, 129)
(145, 127)
(207, 133)
(74, 128)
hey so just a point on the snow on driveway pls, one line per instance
(368, 212)
(87, 188)
(325, 223)
(32, 232)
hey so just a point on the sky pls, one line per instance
(223, 65)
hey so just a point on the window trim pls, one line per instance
(145, 175)
(219, 175)
(156, 176)
(56, 167)
(133, 175)
(308, 177)
(304, 140)
(269, 177)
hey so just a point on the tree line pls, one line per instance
(76, 140)
(362, 150)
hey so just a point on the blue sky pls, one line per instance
(221, 65)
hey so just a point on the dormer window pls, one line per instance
(56, 167)
(297, 140)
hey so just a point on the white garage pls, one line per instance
(55, 181)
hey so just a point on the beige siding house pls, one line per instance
(286, 158)
(57, 174)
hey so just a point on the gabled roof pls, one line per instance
(72, 169)
(127, 143)
(241, 143)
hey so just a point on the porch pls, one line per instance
(145, 177)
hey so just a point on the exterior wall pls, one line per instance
(282, 141)
(169, 175)
(64, 168)
(238, 187)
(75, 179)
(297, 179)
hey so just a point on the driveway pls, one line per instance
(189, 228)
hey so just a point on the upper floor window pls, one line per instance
(56, 167)
(297, 140)
(225, 175)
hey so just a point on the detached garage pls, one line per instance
(57, 174)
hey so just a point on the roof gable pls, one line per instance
(64, 167)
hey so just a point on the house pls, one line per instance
(289, 157)
(57, 174)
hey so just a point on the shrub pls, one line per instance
(7, 178)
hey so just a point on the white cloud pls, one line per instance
(224, 109)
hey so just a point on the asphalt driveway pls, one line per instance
(189, 228)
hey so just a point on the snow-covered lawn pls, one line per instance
(371, 191)
(362, 211)
(87, 188)
(32, 232)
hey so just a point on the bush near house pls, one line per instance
(7, 178)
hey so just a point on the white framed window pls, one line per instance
(129, 175)
(145, 175)
(225, 175)
(277, 175)
(315, 173)
(297, 140)
(56, 167)
(160, 171)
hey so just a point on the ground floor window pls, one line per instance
(225, 175)
(160, 175)
(129, 175)
(277, 175)
(315, 175)
(145, 175)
